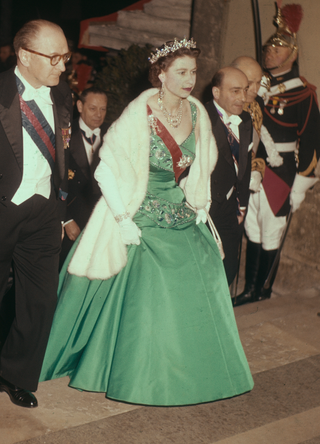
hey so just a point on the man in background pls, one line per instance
(232, 129)
(83, 191)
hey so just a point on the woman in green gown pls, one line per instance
(144, 312)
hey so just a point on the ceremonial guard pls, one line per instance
(291, 116)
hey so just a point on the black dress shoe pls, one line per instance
(244, 298)
(18, 396)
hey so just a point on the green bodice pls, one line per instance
(165, 203)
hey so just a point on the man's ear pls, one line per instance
(24, 57)
(79, 106)
(215, 93)
(294, 58)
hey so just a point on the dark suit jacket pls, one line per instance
(83, 190)
(224, 175)
(11, 152)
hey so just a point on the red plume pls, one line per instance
(292, 15)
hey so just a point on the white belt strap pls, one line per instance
(286, 147)
(278, 89)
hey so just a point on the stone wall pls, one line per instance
(208, 29)
(299, 268)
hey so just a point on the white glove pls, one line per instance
(201, 216)
(300, 186)
(129, 232)
(296, 200)
(255, 181)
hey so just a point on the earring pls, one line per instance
(161, 91)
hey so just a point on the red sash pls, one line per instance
(171, 144)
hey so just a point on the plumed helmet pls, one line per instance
(287, 20)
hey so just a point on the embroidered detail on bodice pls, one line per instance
(164, 213)
(160, 155)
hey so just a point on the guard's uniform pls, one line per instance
(291, 119)
(291, 116)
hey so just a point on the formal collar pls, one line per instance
(233, 119)
(283, 77)
(28, 92)
(84, 127)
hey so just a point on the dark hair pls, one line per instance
(163, 63)
(217, 79)
(29, 32)
(93, 90)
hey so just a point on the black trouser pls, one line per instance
(30, 236)
(224, 216)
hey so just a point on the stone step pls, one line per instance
(160, 21)
(112, 36)
(169, 3)
(166, 9)
(168, 28)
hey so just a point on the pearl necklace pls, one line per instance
(174, 120)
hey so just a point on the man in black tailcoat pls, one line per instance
(35, 116)
(232, 129)
(83, 191)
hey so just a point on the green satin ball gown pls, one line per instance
(162, 331)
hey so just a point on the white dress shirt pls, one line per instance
(90, 149)
(36, 176)
(233, 123)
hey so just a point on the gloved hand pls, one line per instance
(255, 181)
(296, 200)
(201, 216)
(129, 232)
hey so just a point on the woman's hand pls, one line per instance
(201, 216)
(129, 232)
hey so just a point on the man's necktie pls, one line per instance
(91, 139)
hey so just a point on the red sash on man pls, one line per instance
(37, 126)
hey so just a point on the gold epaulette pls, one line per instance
(255, 112)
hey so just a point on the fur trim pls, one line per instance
(100, 253)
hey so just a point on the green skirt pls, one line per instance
(161, 332)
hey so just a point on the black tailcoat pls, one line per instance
(223, 178)
(30, 237)
(83, 190)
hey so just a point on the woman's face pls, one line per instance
(180, 77)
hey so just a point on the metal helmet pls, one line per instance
(287, 20)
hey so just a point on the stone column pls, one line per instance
(207, 29)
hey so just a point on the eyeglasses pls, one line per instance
(54, 59)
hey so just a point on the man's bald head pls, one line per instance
(229, 89)
(253, 71)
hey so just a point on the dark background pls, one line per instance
(66, 13)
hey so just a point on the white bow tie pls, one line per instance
(41, 94)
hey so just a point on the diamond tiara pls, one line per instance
(172, 47)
